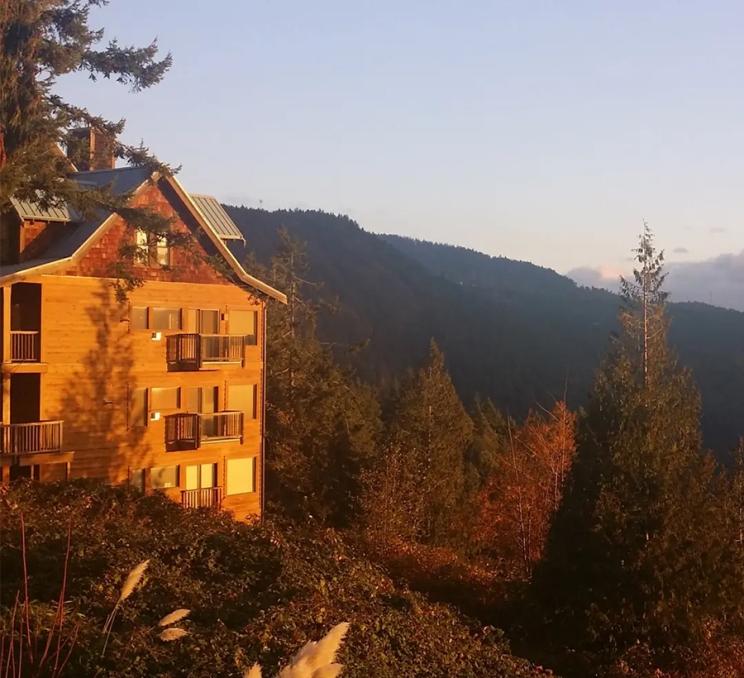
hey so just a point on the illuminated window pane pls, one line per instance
(241, 475)
(162, 477)
(138, 318)
(165, 318)
(163, 399)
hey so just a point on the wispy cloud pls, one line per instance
(717, 230)
(681, 250)
(603, 277)
(718, 281)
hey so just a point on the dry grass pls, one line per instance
(173, 617)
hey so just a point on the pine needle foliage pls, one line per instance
(40, 41)
(638, 554)
(418, 485)
(322, 424)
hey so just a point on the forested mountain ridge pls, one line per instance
(512, 331)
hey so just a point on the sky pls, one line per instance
(541, 131)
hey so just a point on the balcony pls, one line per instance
(31, 438)
(190, 431)
(202, 351)
(205, 497)
(25, 346)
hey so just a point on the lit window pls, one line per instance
(241, 475)
(201, 476)
(209, 322)
(242, 398)
(142, 247)
(199, 399)
(244, 322)
(164, 399)
(162, 477)
(162, 251)
(165, 319)
(151, 248)
(139, 407)
(138, 318)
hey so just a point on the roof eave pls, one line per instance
(245, 277)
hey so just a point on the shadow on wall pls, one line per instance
(97, 400)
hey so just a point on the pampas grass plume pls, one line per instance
(173, 633)
(133, 578)
(316, 660)
(173, 617)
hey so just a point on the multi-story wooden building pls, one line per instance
(164, 390)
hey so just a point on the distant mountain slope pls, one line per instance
(512, 331)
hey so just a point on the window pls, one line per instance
(241, 475)
(137, 479)
(138, 413)
(142, 248)
(209, 322)
(165, 318)
(163, 399)
(162, 477)
(151, 248)
(199, 476)
(242, 397)
(162, 251)
(244, 322)
(199, 399)
(138, 318)
(190, 320)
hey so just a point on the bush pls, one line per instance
(256, 592)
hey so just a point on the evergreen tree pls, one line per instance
(432, 430)
(636, 554)
(41, 40)
(322, 426)
(490, 438)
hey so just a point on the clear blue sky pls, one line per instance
(543, 131)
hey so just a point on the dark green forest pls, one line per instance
(513, 332)
(481, 467)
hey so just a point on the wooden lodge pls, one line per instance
(164, 391)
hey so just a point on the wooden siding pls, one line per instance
(185, 265)
(93, 362)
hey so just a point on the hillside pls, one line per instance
(255, 592)
(512, 331)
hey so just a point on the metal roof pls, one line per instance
(122, 180)
(217, 218)
(27, 209)
(209, 214)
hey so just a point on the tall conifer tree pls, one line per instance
(635, 553)
(322, 426)
(433, 430)
(41, 40)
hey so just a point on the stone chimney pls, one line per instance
(90, 149)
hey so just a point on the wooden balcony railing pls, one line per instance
(182, 432)
(189, 431)
(37, 436)
(205, 497)
(195, 351)
(25, 346)
(221, 426)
